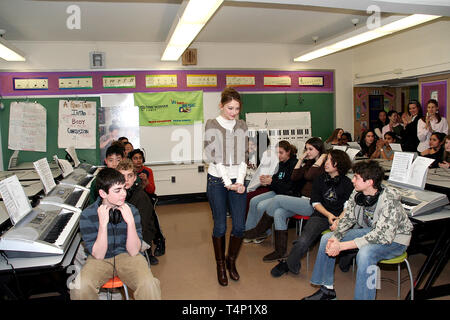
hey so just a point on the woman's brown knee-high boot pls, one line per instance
(233, 251)
(219, 251)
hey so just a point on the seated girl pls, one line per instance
(436, 149)
(368, 144)
(309, 166)
(445, 163)
(279, 183)
(384, 150)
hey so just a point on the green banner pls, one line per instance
(169, 108)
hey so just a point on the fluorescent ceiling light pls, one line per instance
(353, 39)
(195, 15)
(9, 53)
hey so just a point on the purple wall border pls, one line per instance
(441, 87)
(7, 88)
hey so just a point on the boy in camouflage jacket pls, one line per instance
(375, 223)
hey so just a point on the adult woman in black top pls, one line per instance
(410, 119)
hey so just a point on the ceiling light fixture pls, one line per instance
(7, 51)
(390, 25)
(194, 15)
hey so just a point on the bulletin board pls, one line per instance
(52, 107)
(320, 106)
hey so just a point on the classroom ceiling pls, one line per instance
(293, 22)
(262, 21)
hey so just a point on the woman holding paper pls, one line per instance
(226, 150)
(432, 122)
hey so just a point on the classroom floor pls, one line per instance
(188, 270)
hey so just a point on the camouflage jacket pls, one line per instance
(390, 221)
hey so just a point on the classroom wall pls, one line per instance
(417, 51)
(74, 56)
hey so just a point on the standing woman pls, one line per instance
(410, 120)
(431, 122)
(226, 150)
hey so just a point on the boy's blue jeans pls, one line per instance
(366, 260)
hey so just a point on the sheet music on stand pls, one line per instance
(13, 160)
(64, 165)
(14, 198)
(43, 169)
(407, 173)
(72, 152)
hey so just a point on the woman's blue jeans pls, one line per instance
(367, 258)
(222, 200)
(258, 205)
(282, 207)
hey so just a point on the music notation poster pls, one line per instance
(201, 80)
(119, 82)
(77, 124)
(27, 127)
(277, 81)
(75, 83)
(161, 81)
(240, 80)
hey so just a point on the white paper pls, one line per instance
(73, 153)
(64, 165)
(352, 153)
(14, 198)
(342, 148)
(396, 146)
(13, 160)
(27, 127)
(77, 124)
(43, 169)
(401, 166)
(419, 170)
(405, 171)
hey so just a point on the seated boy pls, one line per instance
(374, 222)
(137, 197)
(111, 232)
(114, 154)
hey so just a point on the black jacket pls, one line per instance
(331, 193)
(281, 180)
(139, 198)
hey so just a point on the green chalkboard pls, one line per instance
(320, 105)
(52, 105)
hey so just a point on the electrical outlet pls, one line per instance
(201, 168)
(173, 179)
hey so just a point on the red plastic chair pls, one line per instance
(114, 283)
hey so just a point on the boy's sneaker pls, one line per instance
(322, 294)
(255, 240)
(280, 269)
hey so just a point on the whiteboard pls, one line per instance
(178, 144)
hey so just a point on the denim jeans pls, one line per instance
(366, 260)
(258, 205)
(221, 200)
(283, 207)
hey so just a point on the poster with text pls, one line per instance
(27, 127)
(169, 108)
(77, 124)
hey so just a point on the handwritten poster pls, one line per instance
(27, 127)
(77, 124)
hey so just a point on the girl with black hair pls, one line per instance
(368, 144)
(436, 149)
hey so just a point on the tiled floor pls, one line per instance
(188, 271)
